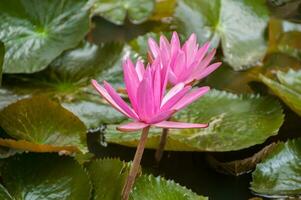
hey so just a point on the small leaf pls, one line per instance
(35, 32)
(279, 175)
(41, 125)
(45, 176)
(116, 11)
(288, 88)
(238, 25)
(108, 177)
(235, 122)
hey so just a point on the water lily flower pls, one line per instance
(187, 63)
(149, 104)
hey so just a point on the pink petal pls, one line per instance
(153, 46)
(173, 100)
(191, 97)
(131, 81)
(173, 91)
(157, 87)
(206, 60)
(172, 78)
(132, 126)
(140, 69)
(162, 116)
(105, 95)
(179, 125)
(208, 70)
(145, 97)
(175, 44)
(119, 101)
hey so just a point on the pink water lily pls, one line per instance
(150, 106)
(186, 63)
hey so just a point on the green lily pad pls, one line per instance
(109, 175)
(288, 88)
(36, 32)
(235, 122)
(116, 11)
(2, 52)
(67, 80)
(285, 37)
(41, 125)
(238, 25)
(279, 175)
(44, 176)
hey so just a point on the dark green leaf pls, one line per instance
(279, 175)
(41, 125)
(235, 122)
(2, 52)
(108, 177)
(4, 194)
(238, 25)
(35, 32)
(288, 88)
(67, 80)
(45, 176)
(116, 11)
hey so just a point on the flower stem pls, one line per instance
(135, 165)
(160, 149)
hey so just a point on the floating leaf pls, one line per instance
(35, 32)
(108, 177)
(116, 11)
(238, 25)
(288, 88)
(41, 125)
(2, 52)
(235, 122)
(279, 175)
(285, 37)
(45, 176)
(67, 80)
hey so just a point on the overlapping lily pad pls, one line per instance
(67, 80)
(288, 88)
(238, 25)
(279, 175)
(285, 37)
(44, 176)
(116, 11)
(108, 177)
(36, 32)
(41, 125)
(235, 122)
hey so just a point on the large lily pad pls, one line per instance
(108, 177)
(235, 122)
(67, 80)
(44, 176)
(35, 32)
(238, 25)
(41, 125)
(288, 88)
(279, 175)
(116, 11)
